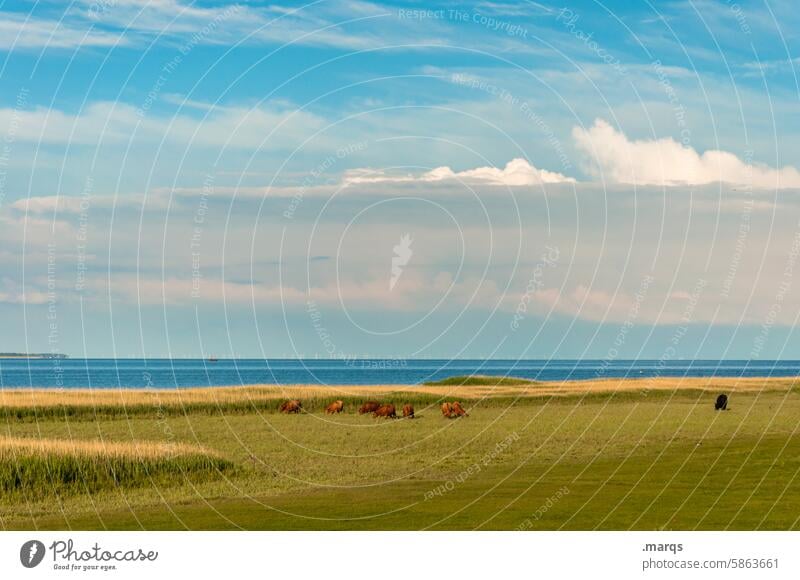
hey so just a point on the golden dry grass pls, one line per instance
(145, 450)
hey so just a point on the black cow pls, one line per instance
(722, 403)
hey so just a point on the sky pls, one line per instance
(607, 180)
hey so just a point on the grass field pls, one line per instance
(648, 454)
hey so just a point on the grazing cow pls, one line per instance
(335, 407)
(453, 410)
(293, 406)
(368, 407)
(722, 403)
(408, 411)
(386, 411)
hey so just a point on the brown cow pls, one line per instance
(368, 407)
(408, 411)
(293, 406)
(386, 411)
(446, 410)
(456, 410)
(335, 407)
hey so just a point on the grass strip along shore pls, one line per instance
(38, 404)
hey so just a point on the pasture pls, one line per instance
(601, 455)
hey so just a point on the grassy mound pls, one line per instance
(37, 467)
(480, 380)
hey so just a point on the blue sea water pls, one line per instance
(167, 374)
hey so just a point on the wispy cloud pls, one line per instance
(115, 122)
(344, 24)
(19, 32)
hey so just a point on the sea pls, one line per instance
(176, 373)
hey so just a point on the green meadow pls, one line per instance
(633, 459)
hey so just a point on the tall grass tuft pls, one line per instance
(41, 467)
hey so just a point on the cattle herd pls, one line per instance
(388, 411)
(376, 409)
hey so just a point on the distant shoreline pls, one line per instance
(36, 356)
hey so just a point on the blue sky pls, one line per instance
(583, 179)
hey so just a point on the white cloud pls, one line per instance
(666, 162)
(516, 172)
